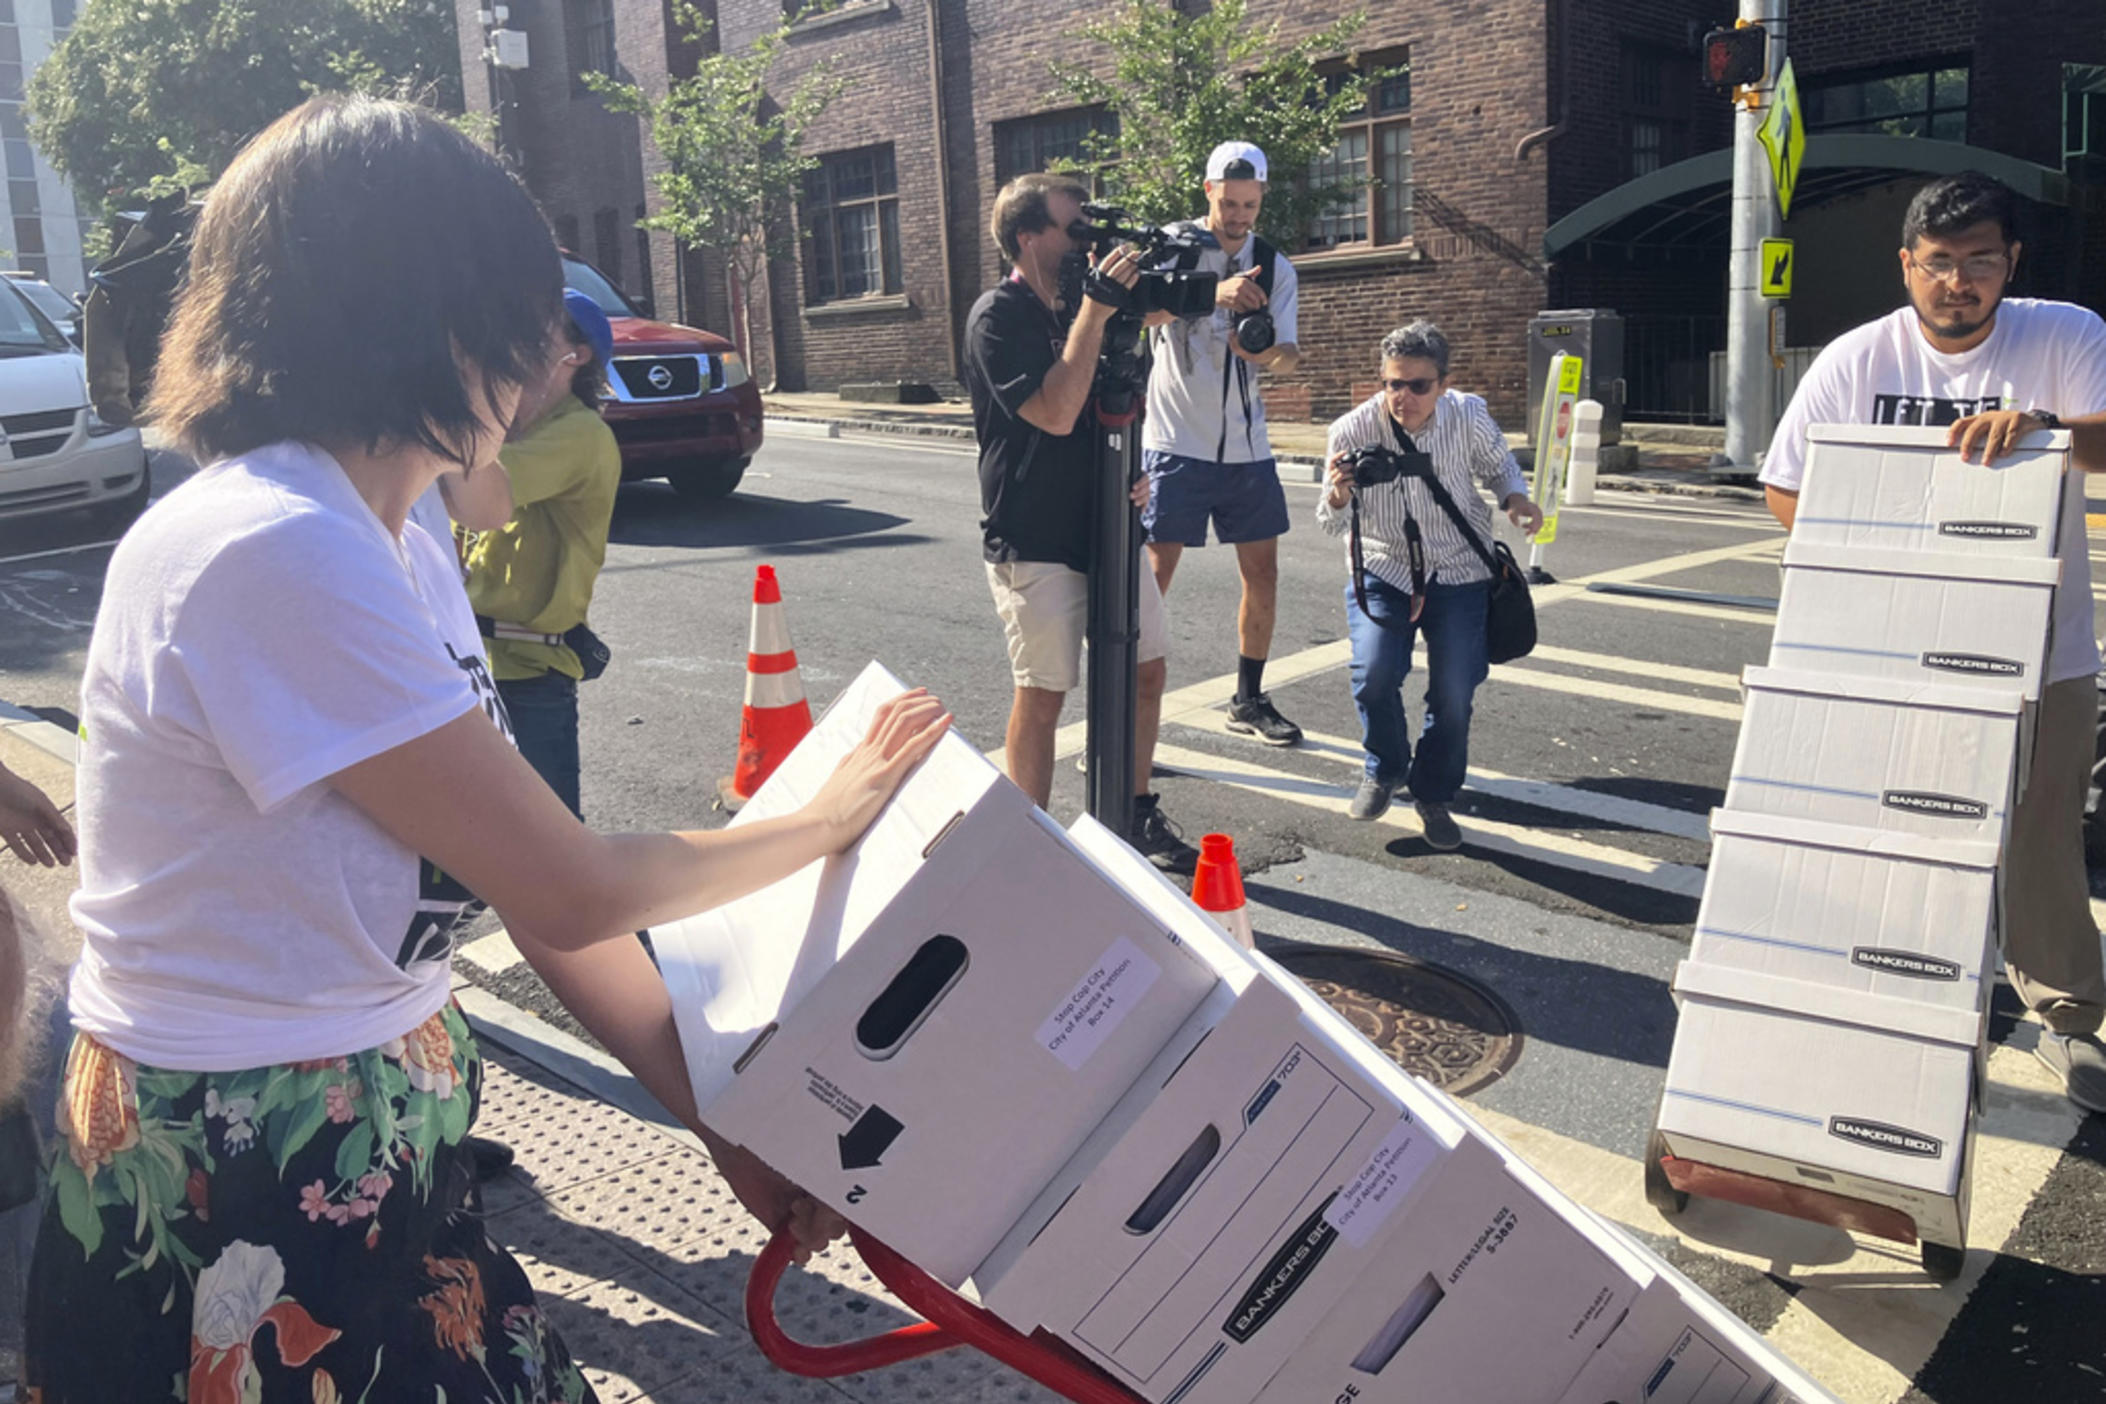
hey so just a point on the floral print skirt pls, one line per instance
(307, 1232)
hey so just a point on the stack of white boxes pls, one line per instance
(1834, 1003)
(1021, 1056)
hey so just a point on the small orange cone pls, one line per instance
(1217, 888)
(776, 715)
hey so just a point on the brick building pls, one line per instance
(1540, 153)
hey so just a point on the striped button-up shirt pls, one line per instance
(1468, 451)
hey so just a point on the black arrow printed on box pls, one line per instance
(872, 1135)
(1784, 261)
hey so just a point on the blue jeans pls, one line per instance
(544, 714)
(1454, 622)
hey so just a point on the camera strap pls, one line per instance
(1234, 366)
(1414, 555)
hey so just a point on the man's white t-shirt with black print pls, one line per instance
(2044, 355)
(260, 631)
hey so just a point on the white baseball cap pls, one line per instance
(1232, 151)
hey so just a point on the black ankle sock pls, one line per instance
(1250, 677)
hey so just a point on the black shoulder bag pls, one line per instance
(1510, 619)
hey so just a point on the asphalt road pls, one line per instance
(1593, 765)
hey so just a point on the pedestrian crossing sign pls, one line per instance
(1553, 440)
(1776, 268)
(1783, 138)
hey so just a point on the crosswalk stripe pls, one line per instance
(1485, 835)
(1651, 699)
(1308, 662)
(1641, 667)
(1589, 804)
(1687, 608)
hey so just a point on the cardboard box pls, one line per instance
(1235, 1194)
(1485, 1291)
(1678, 1346)
(1853, 1093)
(922, 1031)
(1893, 914)
(1901, 488)
(1877, 753)
(1915, 616)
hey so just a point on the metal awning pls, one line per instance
(1691, 202)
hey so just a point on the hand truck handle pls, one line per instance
(950, 1321)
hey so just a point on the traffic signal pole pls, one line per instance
(1749, 413)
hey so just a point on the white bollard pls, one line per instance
(1586, 454)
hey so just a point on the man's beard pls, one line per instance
(1956, 323)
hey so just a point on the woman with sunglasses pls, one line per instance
(295, 768)
(1417, 567)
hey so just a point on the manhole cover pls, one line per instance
(1437, 1025)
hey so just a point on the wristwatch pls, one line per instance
(2048, 418)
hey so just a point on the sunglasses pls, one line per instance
(1422, 385)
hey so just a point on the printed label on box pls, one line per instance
(1384, 1182)
(1100, 1003)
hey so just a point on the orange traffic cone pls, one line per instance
(1217, 888)
(776, 715)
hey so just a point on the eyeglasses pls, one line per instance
(1976, 268)
(1421, 386)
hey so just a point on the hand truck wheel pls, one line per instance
(1659, 1192)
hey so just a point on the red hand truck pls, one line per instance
(949, 1321)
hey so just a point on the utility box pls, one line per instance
(1595, 335)
(508, 48)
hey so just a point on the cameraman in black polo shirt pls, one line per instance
(1030, 374)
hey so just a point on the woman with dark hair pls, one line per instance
(294, 769)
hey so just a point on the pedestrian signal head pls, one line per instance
(1736, 58)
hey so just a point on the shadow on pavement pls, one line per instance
(1579, 1004)
(651, 514)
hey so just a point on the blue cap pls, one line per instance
(586, 316)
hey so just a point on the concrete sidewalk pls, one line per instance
(1659, 458)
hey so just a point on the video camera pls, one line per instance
(1375, 464)
(1171, 280)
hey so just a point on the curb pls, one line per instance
(47, 736)
(1305, 468)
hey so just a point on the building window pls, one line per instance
(1656, 108)
(851, 204)
(1374, 149)
(62, 14)
(589, 34)
(607, 244)
(644, 282)
(1919, 102)
(1055, 138)
(567, 233)
(2083, 112)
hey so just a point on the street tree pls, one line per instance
(734, 153)
(144, 95)
(1182, 81)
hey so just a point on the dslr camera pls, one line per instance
(1171, 280)
(1375, 464)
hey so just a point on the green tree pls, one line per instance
(1182, 82)
(734, 154)
(143, 95)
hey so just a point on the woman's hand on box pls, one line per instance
(904, 731)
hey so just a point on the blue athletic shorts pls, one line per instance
(1244, 500)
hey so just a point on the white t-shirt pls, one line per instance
(1190, 409)
(2040, 355)
(260, 631)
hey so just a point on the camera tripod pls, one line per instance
(1117, 399)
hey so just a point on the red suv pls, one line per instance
(681, 402)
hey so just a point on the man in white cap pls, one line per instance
(1203, 440)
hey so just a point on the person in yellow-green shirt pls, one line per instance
(530, 581)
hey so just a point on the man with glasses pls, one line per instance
(1994, 369)
(1415, 568)
(1204, 442)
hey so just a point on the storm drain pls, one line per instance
(1434, 1023)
